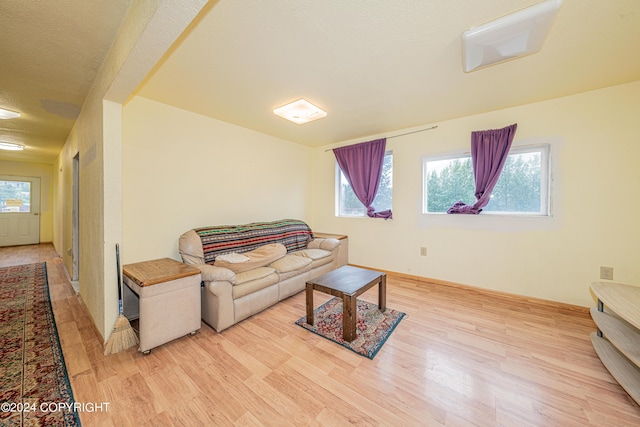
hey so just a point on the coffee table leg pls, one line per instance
(382, 293)
(349, 313)
(309, 294)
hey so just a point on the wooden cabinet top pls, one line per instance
(330, 236)
(162, 270)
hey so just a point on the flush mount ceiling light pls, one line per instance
(8, 114)
(11, 147)
(300, 112)
(519, 34)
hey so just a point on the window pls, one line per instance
(347, 204)
(15, 196)
(523, 187)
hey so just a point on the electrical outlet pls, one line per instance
(423, 251)
(606, 273)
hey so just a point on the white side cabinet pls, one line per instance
(166, 294)
(617, 341)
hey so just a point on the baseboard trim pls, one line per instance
(503, 294)
(96, 331)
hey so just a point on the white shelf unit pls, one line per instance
(617, 341)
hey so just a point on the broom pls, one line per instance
(123, 335)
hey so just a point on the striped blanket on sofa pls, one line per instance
(224, 239)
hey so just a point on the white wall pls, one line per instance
(182, 170)
(596, 209)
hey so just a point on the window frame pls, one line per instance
(22, 200)
(545, 179)
(338, 184)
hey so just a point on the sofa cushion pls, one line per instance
(312, 254)
(318, 257)
(290, 263)
(253, 280)
(263, 256)
(322, 261)
(215, 274)
(233, 258)
(254, 274)
(328, 244)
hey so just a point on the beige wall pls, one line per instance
(595, 220)
(46, 175)
(148, 31)
(182, 170)
(64, 197)
(85, 139)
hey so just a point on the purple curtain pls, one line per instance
(362, 164)
(489, 151)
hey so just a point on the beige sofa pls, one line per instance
(247, 268)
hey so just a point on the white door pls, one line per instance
(19, 210)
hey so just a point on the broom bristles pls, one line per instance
(122, 337)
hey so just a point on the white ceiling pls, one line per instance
(375, 66)
(379, 66)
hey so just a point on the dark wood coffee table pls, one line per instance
(348, 283)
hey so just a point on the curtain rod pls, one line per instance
(394, 136)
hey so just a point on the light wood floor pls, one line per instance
(461, 357)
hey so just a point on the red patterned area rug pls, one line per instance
(372, 327)
(34, 385)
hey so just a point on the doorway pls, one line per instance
(75, 225)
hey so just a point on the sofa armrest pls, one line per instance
(216, 274)
(190, 248)
(328, 244)
(217, 306)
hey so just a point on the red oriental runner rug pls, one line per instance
(372, 327)
(34, 385)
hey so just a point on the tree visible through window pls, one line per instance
(523, 186)
(15, 196)
(347, 202)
